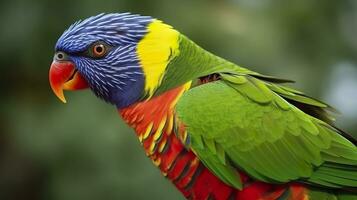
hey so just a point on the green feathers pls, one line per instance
(251, 124)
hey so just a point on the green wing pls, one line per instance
(241, 122)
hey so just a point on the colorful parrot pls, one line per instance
(215, 129)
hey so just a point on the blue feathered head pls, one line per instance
(101, 52)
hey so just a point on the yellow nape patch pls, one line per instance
(155, 51)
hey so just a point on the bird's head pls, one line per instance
(120, 57)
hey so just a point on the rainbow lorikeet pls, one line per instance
(215, 129)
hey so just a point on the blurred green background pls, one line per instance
(82, 150)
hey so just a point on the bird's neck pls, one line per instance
(153, 119)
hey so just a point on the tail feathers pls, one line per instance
(336, 176)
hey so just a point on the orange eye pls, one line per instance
(99, 50)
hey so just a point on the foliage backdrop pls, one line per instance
(82, 150)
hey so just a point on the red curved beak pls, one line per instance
(64, 76)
